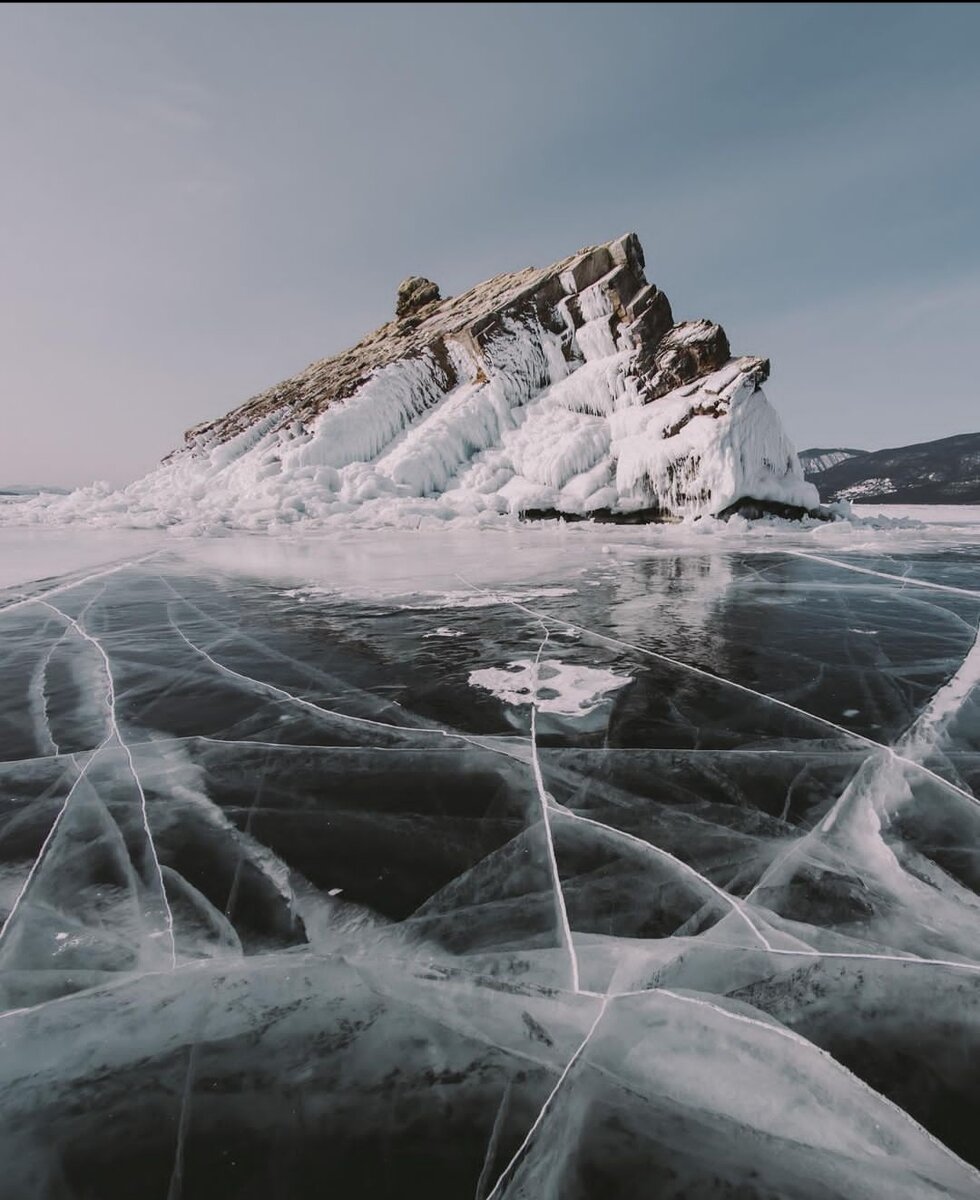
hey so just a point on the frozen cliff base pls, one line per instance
(550, 453)
(568, 390)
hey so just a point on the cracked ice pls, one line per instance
(527, 871)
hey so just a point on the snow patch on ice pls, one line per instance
(565, 689)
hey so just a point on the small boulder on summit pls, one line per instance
(413, 292)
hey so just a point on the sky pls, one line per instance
(196, 201)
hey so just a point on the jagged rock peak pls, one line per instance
(414, 293)
(609, 275)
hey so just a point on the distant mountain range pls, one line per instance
(946, 471)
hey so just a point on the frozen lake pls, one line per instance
(545, 863)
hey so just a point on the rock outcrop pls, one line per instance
(564, 298)
(566, 390)
(415, 293)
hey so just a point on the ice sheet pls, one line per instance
(524, 862)
(29, 554)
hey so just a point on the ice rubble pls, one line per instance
(571, 393)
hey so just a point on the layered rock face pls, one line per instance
(568, 390)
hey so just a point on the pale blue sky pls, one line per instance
(198, 200)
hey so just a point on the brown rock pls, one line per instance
(413, 293)
(684, 354)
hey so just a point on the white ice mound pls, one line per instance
(565, 391)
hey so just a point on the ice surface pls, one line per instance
(539, 862)
(27, 555)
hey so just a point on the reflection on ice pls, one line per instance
(616, 874)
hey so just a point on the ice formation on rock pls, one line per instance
(568, 390)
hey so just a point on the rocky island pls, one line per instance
(568, 391)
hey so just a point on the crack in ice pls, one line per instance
(924, 732)
(546, 802)
(38, 682)
(736, 905)
(38, 689)
(7, 925)
(522, 1148)
(176, 1188)
(115, 735)
(493, 1144)
(903, 579)
(860, 955)
(67, 587)
(782, 1031)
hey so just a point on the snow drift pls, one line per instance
(564, 391)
